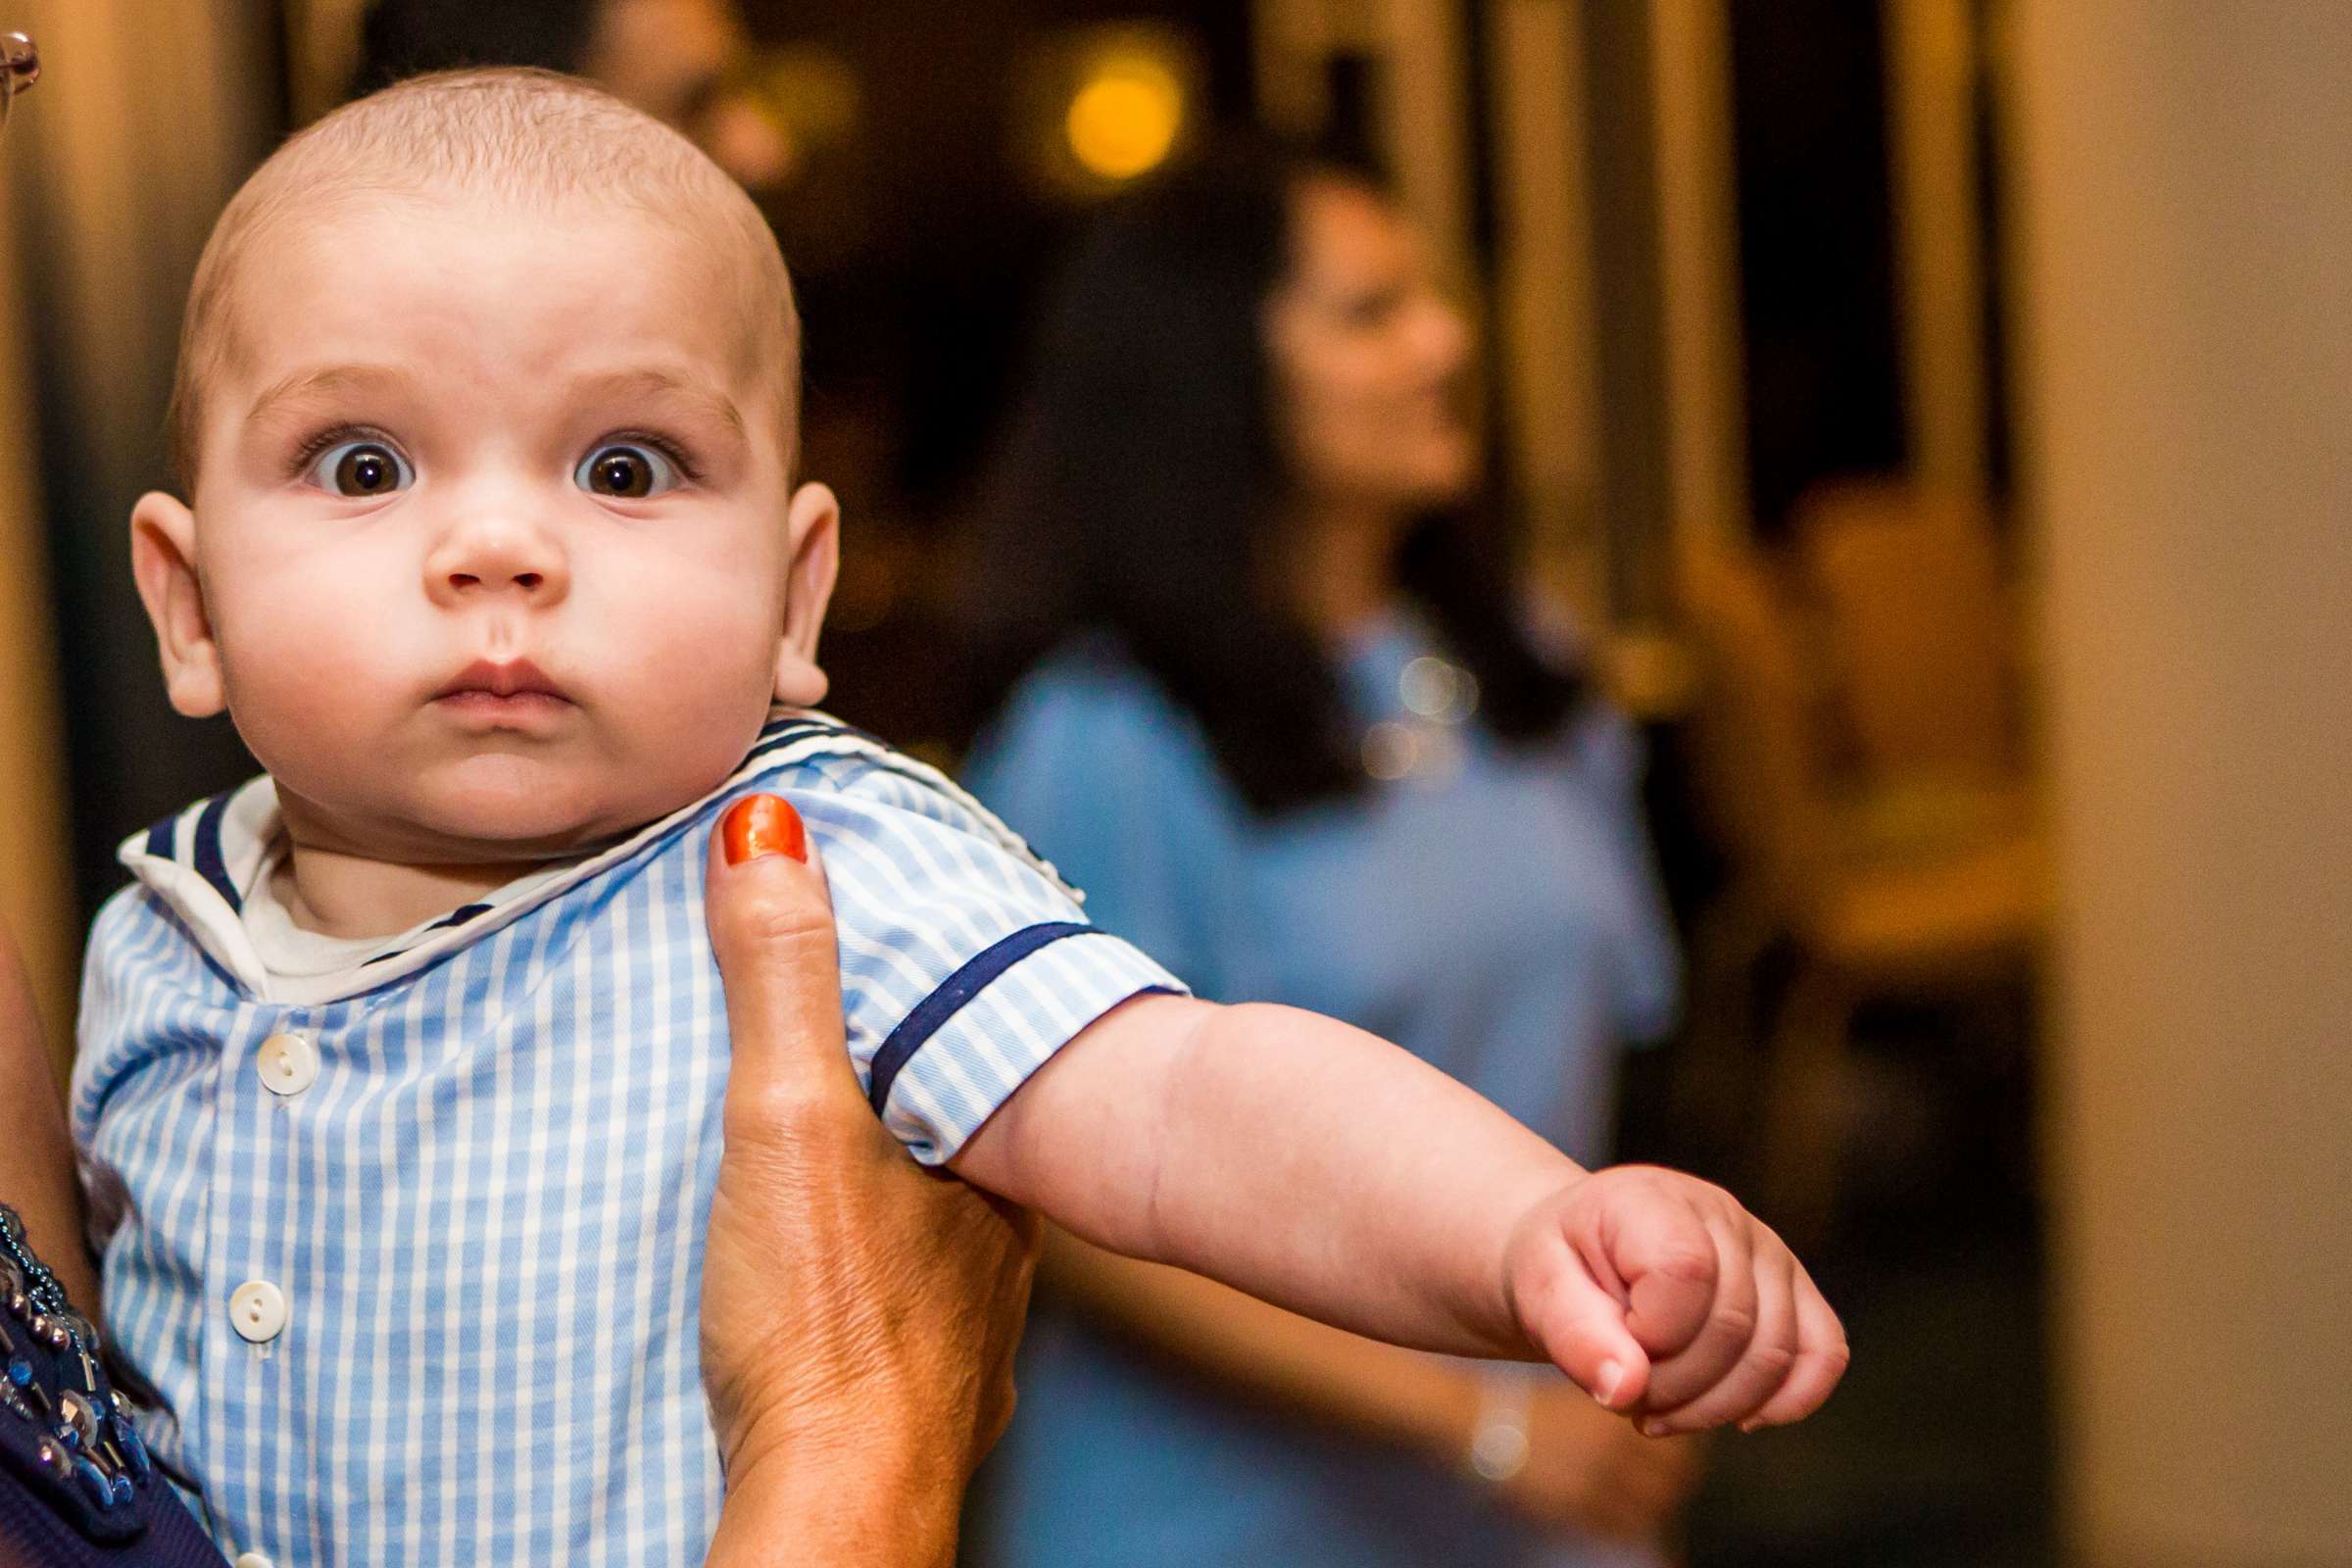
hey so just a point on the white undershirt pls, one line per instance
(290, 953)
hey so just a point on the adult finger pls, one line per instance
(1764, 1358)
(1821, 1355)
(771, 929)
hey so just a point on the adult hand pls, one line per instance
(1588, 1469)
(860, 1313)
(36, 1153)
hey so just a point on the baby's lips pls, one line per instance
(763, 824)
(511, 677)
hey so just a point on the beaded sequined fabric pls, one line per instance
(76, 1483)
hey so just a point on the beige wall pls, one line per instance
(2185, 360)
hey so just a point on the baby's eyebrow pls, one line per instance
(324, 381)
(627, 385)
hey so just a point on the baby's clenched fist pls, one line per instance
(1665, 1299)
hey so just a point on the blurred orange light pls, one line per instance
(1125, 118)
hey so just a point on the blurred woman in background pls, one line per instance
(1268, 691)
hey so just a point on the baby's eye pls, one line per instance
(626, 471)
(361, 469)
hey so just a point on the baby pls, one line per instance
(401, 1067)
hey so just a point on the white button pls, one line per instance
(257, 1311)
(288, 1064)
(253, 1559)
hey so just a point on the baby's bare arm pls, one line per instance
(1305, 1162)
(1329, 1172)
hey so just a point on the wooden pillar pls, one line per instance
(322, 50)
(1545, 328)
(37, 892)
(1428, 112)
(1706, 403)
(1932, 75)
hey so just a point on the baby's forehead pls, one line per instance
(588, 301)
(534, 171)
(682, 261)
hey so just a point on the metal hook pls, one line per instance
(23, 60)
(19, 68)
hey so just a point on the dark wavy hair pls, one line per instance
(1142, 487)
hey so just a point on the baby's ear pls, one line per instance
(163, 558)
(813, 529)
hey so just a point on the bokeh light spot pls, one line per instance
(1125, 118)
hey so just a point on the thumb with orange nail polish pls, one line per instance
(763, 824)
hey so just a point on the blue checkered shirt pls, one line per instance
(477, 1183)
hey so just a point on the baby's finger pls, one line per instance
(1821, 1358)
(1659, 1243)
(1582, 1328)
(1681, 1372)
(772, 928)
(1763, 1366)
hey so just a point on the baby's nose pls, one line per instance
(490, 556)
(521, 579)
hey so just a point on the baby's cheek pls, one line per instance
(302, 682)
(695, 688)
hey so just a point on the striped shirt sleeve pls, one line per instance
(965, 966)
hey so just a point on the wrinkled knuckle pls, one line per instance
(772, 918)
(1735, 1322)
(1690, 1263)
(817, 1121)
(1645, 1178)
(1681, 1184)
(1707, 1192)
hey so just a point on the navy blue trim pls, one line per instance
(935, 1010)
(784, 736)
(209, 864)
(162, 836)
(789, 731)
(472, 912)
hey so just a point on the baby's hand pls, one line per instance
(1666, 1300)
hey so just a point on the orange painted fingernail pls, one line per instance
(763, 824)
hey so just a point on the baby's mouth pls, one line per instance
(515, 692)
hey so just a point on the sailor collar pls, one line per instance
(203, 865)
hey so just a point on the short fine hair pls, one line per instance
(530, 137)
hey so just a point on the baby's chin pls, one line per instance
(508, 810)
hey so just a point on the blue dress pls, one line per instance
(1493, 909)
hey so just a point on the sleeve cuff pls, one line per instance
(964, 1050)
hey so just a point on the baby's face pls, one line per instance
(492, 553)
